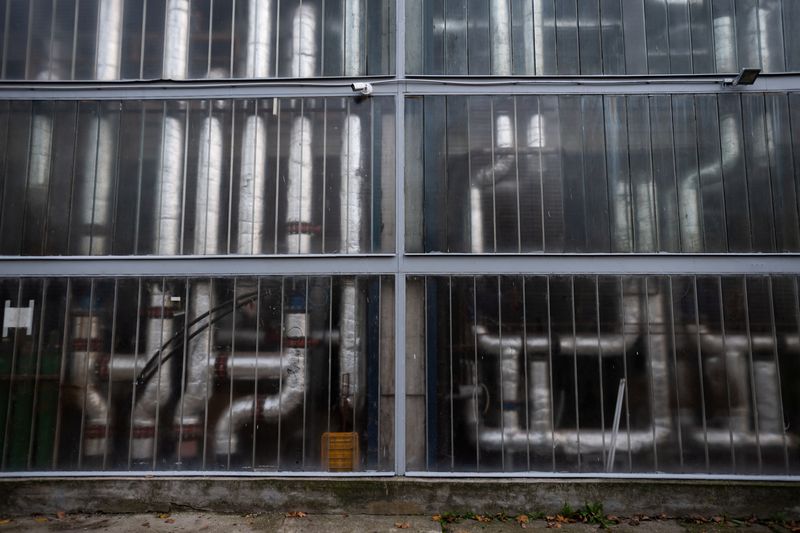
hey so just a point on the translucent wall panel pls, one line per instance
(591, 37)
(193, 39)
(591, 173)
(269, 176)
(272, 374)
(676, 374)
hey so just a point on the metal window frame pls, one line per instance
(398, 264)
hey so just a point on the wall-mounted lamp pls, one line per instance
(747, 76)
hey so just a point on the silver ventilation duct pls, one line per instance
(354, 203)
(500, 30)
(353, 40)
(259, 38)
(159, 327)
(292, 369)
(300, 188)
(87, 345)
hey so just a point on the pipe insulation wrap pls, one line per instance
(259, 38)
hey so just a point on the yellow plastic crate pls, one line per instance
(340, 451)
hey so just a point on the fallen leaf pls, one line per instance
(145, 524)
(296, 514)
(553, 525)
(61, 515)
(436, 518)
(634, 521)
(482, 519)
(169, 520)
(4, 521)
(402, 525)
(40, 519)
(522, 519)
(162, 516)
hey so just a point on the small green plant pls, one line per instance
(566, 511)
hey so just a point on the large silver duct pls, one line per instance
(291, 368)
(207, 218)
(354, 203)
(97, 170)
(500, 33)
(353, 39)
(503, 159)
(304, 42)
(159, 327)
(300, 188)
(512, 436)
(259, 38)
(109, 40)
(252, 206)
(87, 345)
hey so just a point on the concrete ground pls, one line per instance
(300, 522)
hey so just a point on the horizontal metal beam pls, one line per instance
(602, 264)
(180, 266)
(419, 85)
(598, 85)
(412, 264)
(189, 90)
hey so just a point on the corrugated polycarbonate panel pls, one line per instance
(591, 173)
(634, 374)
(590, 37)
(108, 40)
(248, 177)
(232, 374)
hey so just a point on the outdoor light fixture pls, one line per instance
(747, 76)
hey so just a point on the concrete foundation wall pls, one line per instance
(396, 496)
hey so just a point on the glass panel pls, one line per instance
(251, 177)
(268, 374)
(639, 374)
(591, 37)
(183, 39)
(628, 173)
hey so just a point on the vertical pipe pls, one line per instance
(259, 38)
(353, 41)
(159, 325)
(500, 35)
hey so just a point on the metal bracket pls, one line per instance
(18, 317)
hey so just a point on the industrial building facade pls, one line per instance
(421, 237)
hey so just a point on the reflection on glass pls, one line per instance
(274, 373)
(591, 37)
(660, 173)
(603, 374)
(247, 177)
(187, 39)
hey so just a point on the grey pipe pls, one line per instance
(500, 32)
(259, 38)
(299, 193)
(85, 388)
(292, 366)
(353, 40)
(354, 203)
(159, 326)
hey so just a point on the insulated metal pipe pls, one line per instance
(354, 203)
(159, 326)
(96, 179)
(259, 38)
(299, 226)
(500, 34)
(353, 39)
(87, 347)
(269, 408)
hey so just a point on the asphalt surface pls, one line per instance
(302, 522)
